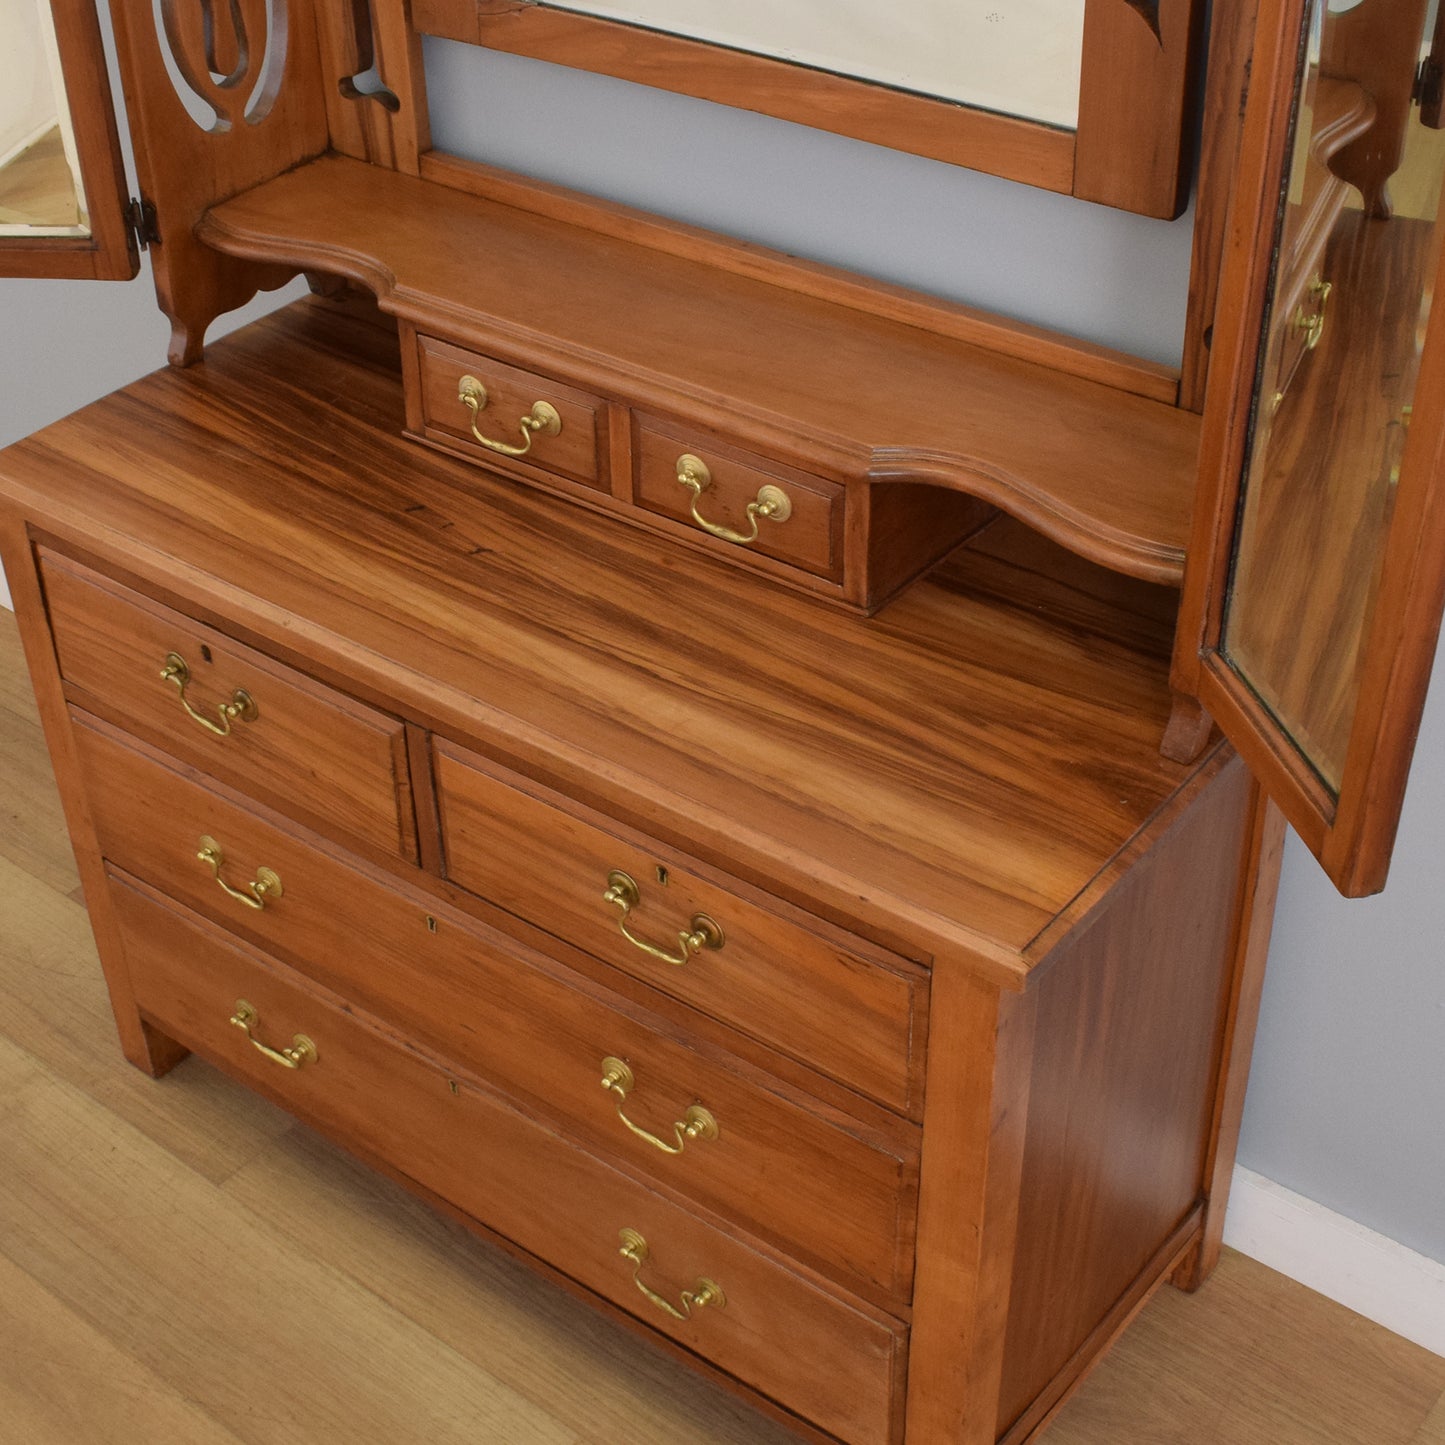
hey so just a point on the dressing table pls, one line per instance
(705, 766)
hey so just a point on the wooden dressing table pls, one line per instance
(733, 823)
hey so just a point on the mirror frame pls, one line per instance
(1131, 149)
(109, 252)
(1353, 834)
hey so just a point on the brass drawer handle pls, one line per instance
(254, 895)
(302, 1050)
(1312, 323)
(542, 419)
(696, 1122)
(704, 1293)
(701, 933)
(771, 502)
(241, 708)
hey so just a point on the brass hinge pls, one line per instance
(1429, 83)
(140, 216)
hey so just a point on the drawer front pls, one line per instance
(744, 502)
(831, 1360)
(825, 1188)
(313, 751)
(792, 988)
(570, 443)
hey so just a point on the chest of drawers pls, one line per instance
(847, 1002)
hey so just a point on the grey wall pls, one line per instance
(1349, 1082)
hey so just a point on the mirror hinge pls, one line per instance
(1429, 83)
(140, 216)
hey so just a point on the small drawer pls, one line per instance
(826, 1188)
(792, 983)
(510, 418)
(264, 727)
(745, 503)
(830, 1359)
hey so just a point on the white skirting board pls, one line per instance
(1334, 1256)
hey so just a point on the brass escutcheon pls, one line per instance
(696, 1122)
(702, 932)
(542, 420)
(704, 1293)
(771, 503)
(241, 708)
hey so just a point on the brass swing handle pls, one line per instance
(241, 708)
(704, 1293)
(771, 502)
(696, 1122)
(302, 1050)
(1312, 323)
(542, 419)
(624, 894)
(254, 895)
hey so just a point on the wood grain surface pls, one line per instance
(840, 1008)
(308, 747)
(395, 1321)
(796, 377)
(812, 1350)
(947, 776)
(833, 1189)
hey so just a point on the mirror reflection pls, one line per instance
(40, 187)
(1355, 264)
(1018, 57)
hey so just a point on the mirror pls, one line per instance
(1091, 98)
(41, 193)
(1358, 241)
(62, 188)
(1016, 57)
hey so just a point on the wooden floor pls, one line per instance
(181, 1263)
(37, 188)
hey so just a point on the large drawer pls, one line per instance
(834, 1361)
(790, 983)
(314, 751)
(825, 1187)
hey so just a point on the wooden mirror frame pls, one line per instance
(1351, 834)
(1130, 149)
(109, 252)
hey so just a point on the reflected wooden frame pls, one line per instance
(1352, 835)
(1130, 149)
(108, 253)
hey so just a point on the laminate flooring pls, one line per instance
(37, 188)
(179, 1261)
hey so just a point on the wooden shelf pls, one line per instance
(837, 388)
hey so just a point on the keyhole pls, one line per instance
(662, 875)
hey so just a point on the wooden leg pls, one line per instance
(162, 1053)
(144, 1046)
(973, 1147)
(1259, 886)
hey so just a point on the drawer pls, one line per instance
(745, 503)
(311, 750)
(571, 442)
(825, 1187)
(831, 1360)
(790, 982)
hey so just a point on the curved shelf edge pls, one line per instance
(1146, 558)
(270, 225)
